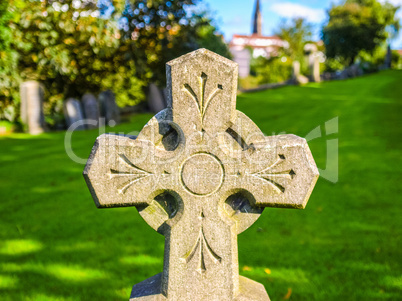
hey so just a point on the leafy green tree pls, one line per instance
(160, 30)
(396, 60)
(71, 50)
(65, 46)
(74, 47)
(358, 25)
(273, 70)
(9, 78)
(149, 29)
(297, 32)
(209, 39)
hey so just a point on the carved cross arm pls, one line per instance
(123, 171)
(280, 172)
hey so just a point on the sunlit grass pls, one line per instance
(394, 282)
(47, 297)
(74, 273)
(17, 247)
(55, 244)
(7, 282)
(141, 260)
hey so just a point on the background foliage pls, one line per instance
(272, 70)
(297, 32)
(9, 76)
(79, 46)
(358, 25)
(74, 47)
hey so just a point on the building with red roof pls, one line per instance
(265, 46)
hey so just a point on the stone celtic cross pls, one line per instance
(200, 173)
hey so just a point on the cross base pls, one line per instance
(150, 290)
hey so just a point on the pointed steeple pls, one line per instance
(257, 21)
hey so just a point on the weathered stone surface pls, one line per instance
(297, 77)
(200, 173)
(315, 70)
(32, 94)
(91, 110)
(108, 107)
(73, 114)
(150, 289)
(156, 101)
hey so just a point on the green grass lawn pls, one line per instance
(346, 245)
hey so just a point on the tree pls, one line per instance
(9, 78)
(272, 70)
(74, 47)
(158, 31)
(357, 25)
(66, 46)
(209, 39)
(297, 32)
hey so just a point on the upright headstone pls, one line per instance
(91, 110)
(200, 172)
(73, 114)
(297, 77)
(388, 58)
(296, 69)
(108, 107)
(351, 72)
(315, 70)
(156, 100)
(32, 94)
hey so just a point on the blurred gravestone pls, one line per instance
(315, 70)
(200, 172)
(388, 58)
(91, 110)
(351, 72)
(156, 100)
(108, 107)
(73, 114)
(32, 94)
(297, 77)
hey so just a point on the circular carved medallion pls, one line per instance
(202, 174)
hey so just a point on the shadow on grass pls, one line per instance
(80, 271)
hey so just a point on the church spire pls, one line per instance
(257, 22)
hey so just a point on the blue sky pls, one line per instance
(234, 16)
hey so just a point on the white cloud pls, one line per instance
(294, 10)
(394, 2)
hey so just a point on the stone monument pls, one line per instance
(200, 172)
(315, 70)
(32, 94)
(297, 77)
(156, 100)
(91, 110)
(73, 114)
(108, 107)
